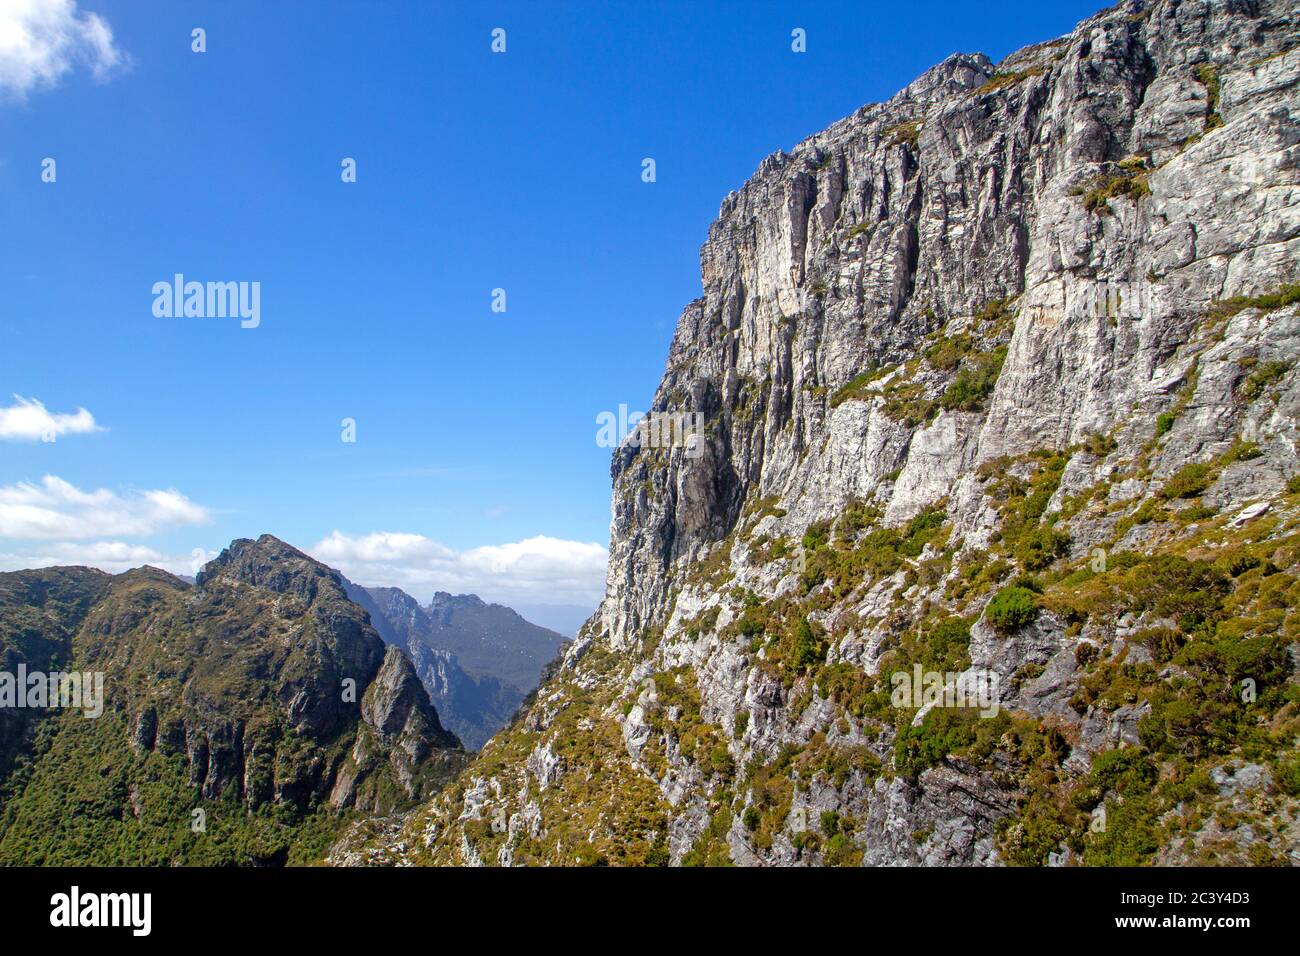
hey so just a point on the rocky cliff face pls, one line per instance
(260, 696)
(999, 380)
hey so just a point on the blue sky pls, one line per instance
(475, 465)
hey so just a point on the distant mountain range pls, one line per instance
(478, 661)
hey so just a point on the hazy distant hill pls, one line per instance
(477, 660)
(564, 619)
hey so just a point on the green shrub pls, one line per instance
(1262, 376)
(856, 517)
(1190, 591)
(721, 762)
(816, 535)
(1288, 777)
(1096, 199)
(1131, 835)
(1126, 770)
(710, 847)
(856, 387)
(809, 647)
(1038, 831)
(840, 851)
(1162, 642)
(907, 132)
(1268, 302)
(995, 311)
(921, 529)
(944, 730)
(1147, 512)
(948, 351)
(1011, 609)
(1165, 423)
(907, 402)
(1193, 725)
(1099, 446)
(1001, 80)
(1040, 547)
(975, 381)
(1188, 481)
(946, 644)
(1240, 451)
(1208, 76)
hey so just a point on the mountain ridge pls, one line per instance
(259, 698)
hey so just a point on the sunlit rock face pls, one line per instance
(997, 375)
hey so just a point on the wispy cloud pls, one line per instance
(56, 509)
(29, 420)
(539, 569)
(41, 41)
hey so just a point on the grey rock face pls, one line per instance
(847, 252)
(843, 254)
(1081, 205)
(395, 698)
(401, 728)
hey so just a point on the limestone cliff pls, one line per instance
(999, 377)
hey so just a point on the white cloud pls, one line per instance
(111, 556)
(29, 420)
(43, 40)
(56, 509)
(540, 569)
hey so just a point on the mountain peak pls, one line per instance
(443, 599)
(270, 563)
